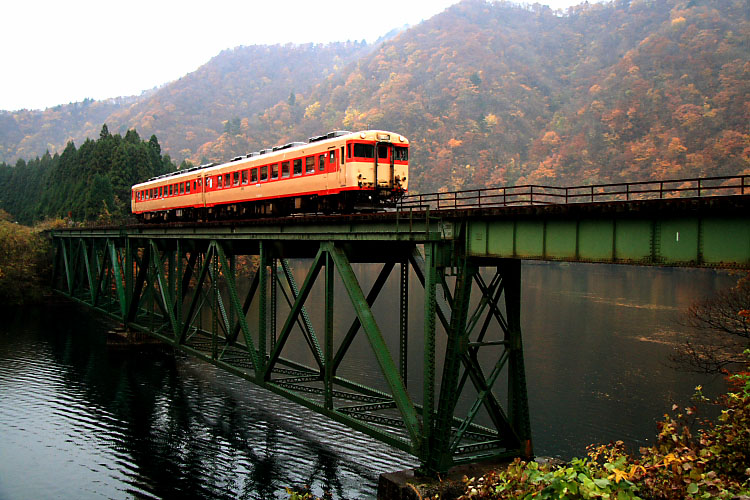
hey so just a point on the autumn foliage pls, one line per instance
(490, 93)
(24, 262)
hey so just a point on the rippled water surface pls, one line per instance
(80, 420)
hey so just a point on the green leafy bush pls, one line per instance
(711, 463)
(24, 260)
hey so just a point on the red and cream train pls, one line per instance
(337, 172)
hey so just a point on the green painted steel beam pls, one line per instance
(688, 240)
(235, 305)
(113, 254)
(379, 347)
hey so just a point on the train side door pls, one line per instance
(322, 166)
(331, 168)
(384, 164)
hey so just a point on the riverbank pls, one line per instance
(692, 458)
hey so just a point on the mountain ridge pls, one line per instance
(489, 93)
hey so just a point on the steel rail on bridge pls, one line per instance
(452, 392)
(535, 194)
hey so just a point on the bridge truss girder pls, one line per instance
(196, 294)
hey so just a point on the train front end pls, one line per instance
(377, 164)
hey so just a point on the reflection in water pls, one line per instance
(80, 421)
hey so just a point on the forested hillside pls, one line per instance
(492, 93)
(489, 93)
(197, 108)
(85, 183)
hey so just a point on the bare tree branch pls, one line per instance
(717, 331)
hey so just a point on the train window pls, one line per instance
(400, 153)
(226, 180)
(349, 151)
(321, 162)
(182, 188)
(218, 182)
(244, 177)
(254, 175)
(187, 187)
(284, 169)
(298, 167)
(332, 157)
(263, 173)
(194, 185)
(210, 182)
(364, 150)
(310, 165)
(236, 178)
(275, 171)
(383, 151)
(342, 155)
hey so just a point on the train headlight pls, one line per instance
(362, 135)
(401, 138)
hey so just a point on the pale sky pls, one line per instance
(55, 52)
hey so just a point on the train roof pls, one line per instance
(285, 148)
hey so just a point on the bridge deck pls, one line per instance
(693, 232)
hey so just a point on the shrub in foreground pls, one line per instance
(713, 462)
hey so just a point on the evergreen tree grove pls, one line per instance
(85, 183)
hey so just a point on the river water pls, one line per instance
(81, 420)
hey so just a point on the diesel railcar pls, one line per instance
(337, 172)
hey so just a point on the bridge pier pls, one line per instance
(196, 291)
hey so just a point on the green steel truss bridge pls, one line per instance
(226, 293)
